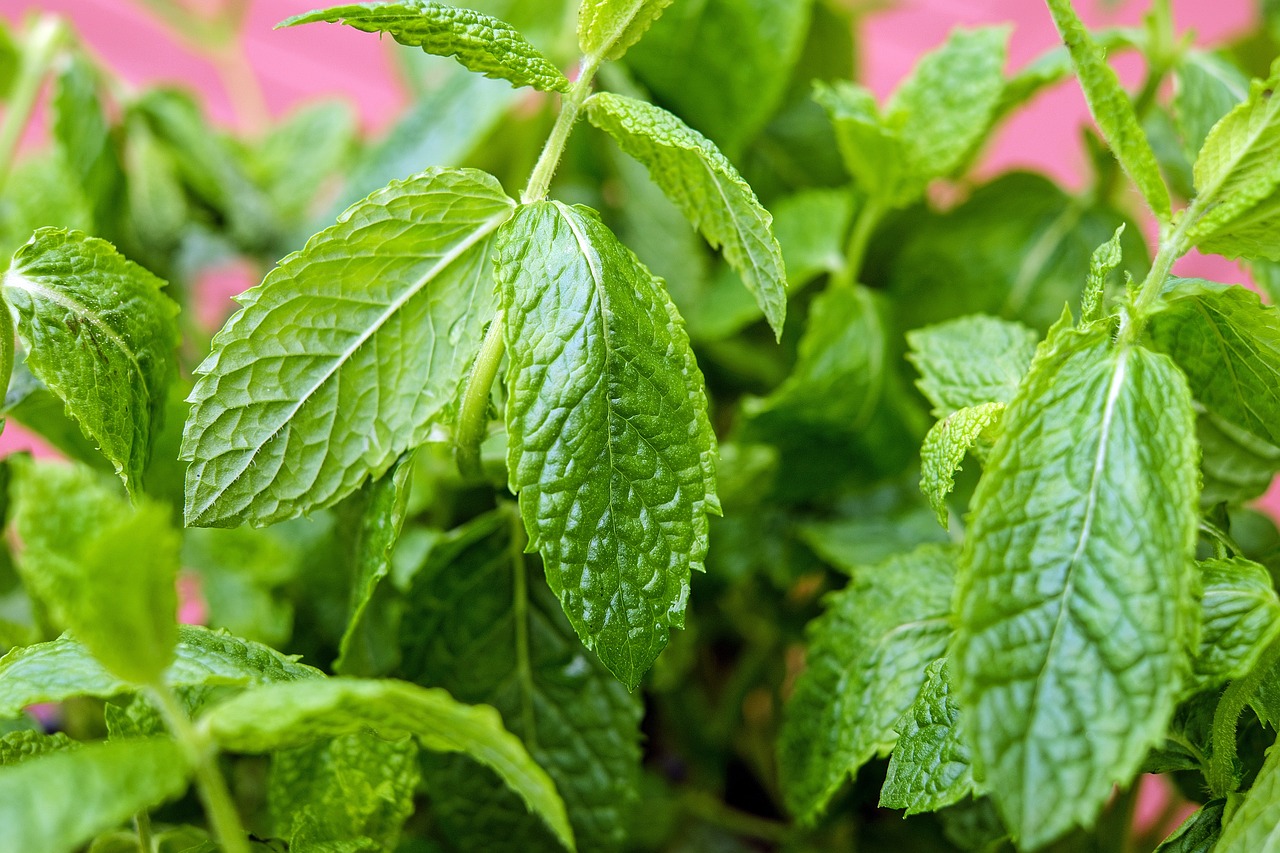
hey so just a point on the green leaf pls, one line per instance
(245, 574)
(282, 419)
(100, 333)
(104, 570)
(283, 716)
(873, 152)
(706, 187)
(608, 27)
(1235, 465)
(1198, 833)
(511, 647)
(929, 768)
(58, 802)
(1254, 826)
(945, 447)
(373, 532)
(1206, 87)
(1104, 260)
(971, 361)
(82, 137)
(866, 663)
(300, 156)
(1228, 344)
(357, 788)
(1073, 632)
(480, 43)
(17, 747)
(1111, 109)
(10, 60)
(63, 668)
(1241, 616)
(157, 200)
(609, 446)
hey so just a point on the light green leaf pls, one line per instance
(1254, 827)
(480, 43)
(1228, 344)
(1073, 632)
(1241, 616)
(63, 668)
(609, 446)
(706, 187)
(929, 768)
(1111, 109)
(1104, 260)
(866, 663)
(282, 716)
(944, 449)
(873, 151)
(157, 200)
(245, 574)
(82, 137)
(100, 334)
(17, 747)
(608, 27)
(105, 570)
(511, 647)
(299, 156)
(58, 802)
(10, 60)
(394, 297)
(1198, 833)
(1206, 87)
(1236, 466)
(971, 361)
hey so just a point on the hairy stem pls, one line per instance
(1173, 245)
(553, 150)
(42, 46)
(473, 413)
(1221, 771)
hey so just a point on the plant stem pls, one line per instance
(142, 823)
(248, 101)
(218, 805)
(553, 150)
(1221, 771)
(864, 225)
(709, 809)
(1172, 246)
(42, 46)
(473, 413)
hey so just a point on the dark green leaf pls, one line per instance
(971, 361)
(1198, 833)
(1235, 465)
(929, 768)
(1241, 616)
(82, 136)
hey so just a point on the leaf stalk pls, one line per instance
(46, 38)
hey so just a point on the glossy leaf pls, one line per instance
(1241, 616)
(608, 27)
(945, 447)
(971, 361)
(929, 768)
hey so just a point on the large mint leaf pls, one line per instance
(344, 356)
(283, 716)
(971, 361)
(58, 802)
(706, 187)
(1109, 103)
(1254, 827)
(509, 646)
(100, 333)
(1228, 344)
(1241, 616)
(1073, 630)
(929, 768)
(481, 43)
(608, 27)
(866, 663)
(945, 447)
(609, 447)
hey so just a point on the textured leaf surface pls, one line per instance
(481, 43)
(1254, 827)
(609, 447)
(873, 152)
(609, 27)
(57, 802)
(17, 747)
(945, 447)
(706, 187)
(345, 355)
(481, 625)
(1228, 344)
(866, 663)
(971, 361)
(1198, 833)
(1104, 260)
(1072, 629)
(1236, 465)
(1111, 108)
(281, 716)
(100, 334)
(930, 767)
(1241, 616)
(1207, 87)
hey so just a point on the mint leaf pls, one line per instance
(58, 802)
(1228, 344)
(82, 137)
(511, 647)
(1241, 616)
(608, 27)
(1104, 260)
(1072, 631)
(303, 151)
(1207, 87)
(1111, 109)
(104, 570)
(1235, 465)
(1198, 833)
(17, 747)
(945, 447)
(970, 361)
(873, 152)
(373, 528)
(100, 333)
(706, 187)
(929, 768)
(866, 663)
(245, 574)
(158, 206)
(480, 43)
(282, 716)
(1254, 826)
(609, 446)
(281, 420)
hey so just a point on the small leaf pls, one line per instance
(929, 768)
(1111, 109)
(58, 802)
(1104, 260)
(17, 747)
(1241, 618)
(873, 152)
(971, 361)
(609, 27)
(100, 333)
(1198, 833)
(1207, 87)
(82, 138)
(284, 716)
(1254, 826)
(706, 187)
(394, 297)
(609, 446)
(945, 447)
(866, 663)
(480, 43)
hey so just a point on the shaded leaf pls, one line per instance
(929, 768)
(945, 447)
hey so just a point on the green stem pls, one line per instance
(218, 805)
(142, 823)
(711, 810)
(520, 616)
(1172, 246)
(553, 150)
(855, 253)
(473, 413)
(1221, 771)
(41, 48)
